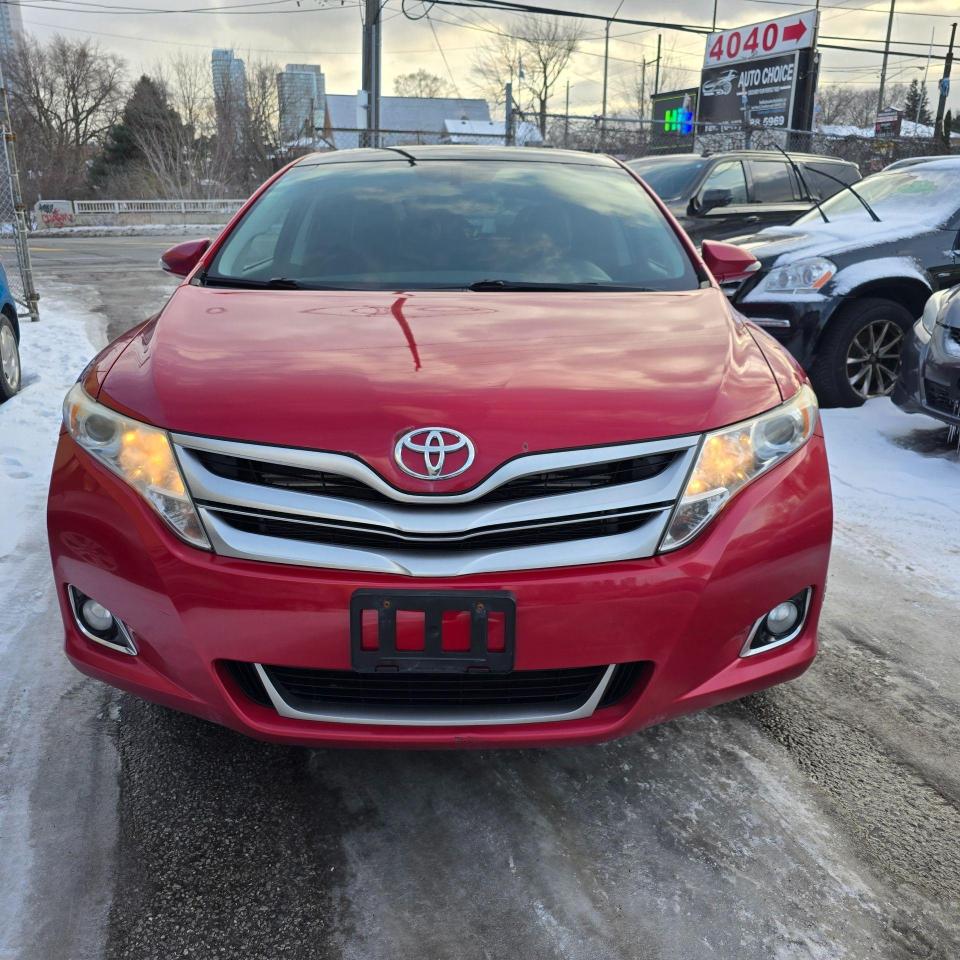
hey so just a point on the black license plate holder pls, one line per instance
(433, 604)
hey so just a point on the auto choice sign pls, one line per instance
(751, 75)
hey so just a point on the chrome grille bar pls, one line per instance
(404, 519)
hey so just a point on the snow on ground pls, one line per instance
(52, 353)
(895, 490)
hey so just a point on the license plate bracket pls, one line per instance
(433, 604)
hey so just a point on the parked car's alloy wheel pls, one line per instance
(859, 354)
(9, 360)
(873, 358)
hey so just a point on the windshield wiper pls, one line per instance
(274, 283)
(551, 287)
(866, 206)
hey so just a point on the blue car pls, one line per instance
(9, 341)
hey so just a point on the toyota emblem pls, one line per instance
(434, 453)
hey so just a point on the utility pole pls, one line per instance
(886, 53)
(370, 72)
(566, 119)
(656, 78)
(923, 86)
(945, 89)
(508, 118)
(713, 29)
(643, 92)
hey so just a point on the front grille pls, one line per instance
(548, 483)
(531, 534)
(938, 398)
(323, 509)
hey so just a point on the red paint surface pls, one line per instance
(516, 372)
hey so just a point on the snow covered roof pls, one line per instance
(491, 132)
(907, 129)
(409, 114)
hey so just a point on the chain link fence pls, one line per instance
(14, 246)
(629, 138)
(632, 138)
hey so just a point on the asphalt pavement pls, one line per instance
(817, 820)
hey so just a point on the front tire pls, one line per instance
(9, 359)
(859, 354)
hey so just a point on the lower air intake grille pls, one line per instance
(938, 398)
(319, 689)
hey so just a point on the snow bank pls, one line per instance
(893, 501)
(132, 230)
(52, 352)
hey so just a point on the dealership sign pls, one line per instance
(767, 39)
(759, 76)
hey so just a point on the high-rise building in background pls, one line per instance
(229, 91)
(300, 92)
(11, 27)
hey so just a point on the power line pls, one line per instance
(834, 6)
(518, 7)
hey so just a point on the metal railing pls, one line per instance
(92, 207)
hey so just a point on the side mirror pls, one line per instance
(726, 261)
(715, 198)
(182, 258)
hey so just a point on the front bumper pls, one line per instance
(795, 324)
(929, 379)
(686, 614)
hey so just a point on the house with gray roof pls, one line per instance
(406, 119)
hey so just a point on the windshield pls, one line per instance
(915, 193)
(670, 179)
(437, 224)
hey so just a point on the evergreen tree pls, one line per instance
(146, 111)
(917, 106)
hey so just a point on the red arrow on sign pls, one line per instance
(795, 31)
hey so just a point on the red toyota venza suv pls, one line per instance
(443, 446)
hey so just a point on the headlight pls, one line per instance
(139, 454)
(804, 276)
(730, 458)
(931, 310)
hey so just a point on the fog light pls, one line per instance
(98, 617)
(783, 618)
(779, 626)
(98, 624)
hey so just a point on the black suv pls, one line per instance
(842, 286)
(726, 194)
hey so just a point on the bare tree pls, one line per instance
(845, 105)
(65, 95)
(532, 56)
(422, 83)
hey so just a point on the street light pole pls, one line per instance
(606, 64)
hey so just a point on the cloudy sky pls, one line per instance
(328, 32)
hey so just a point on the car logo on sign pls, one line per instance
(434, 453)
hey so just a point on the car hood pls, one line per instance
(818, 239)
(517, 372)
